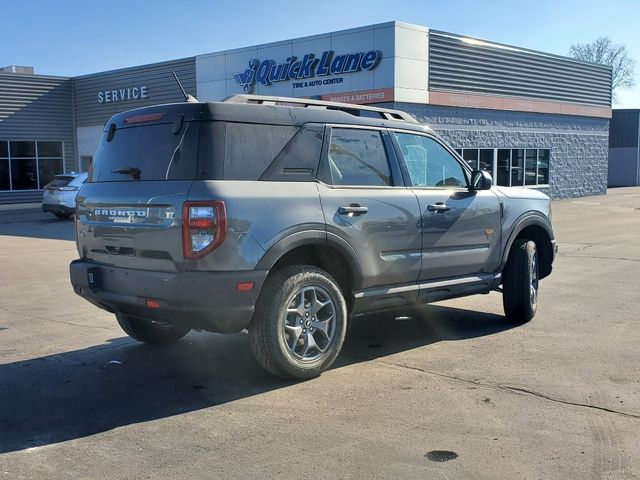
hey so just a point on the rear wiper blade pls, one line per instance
(133, 171)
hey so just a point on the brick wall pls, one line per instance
(579, 145)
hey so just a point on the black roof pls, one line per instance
(271, 114)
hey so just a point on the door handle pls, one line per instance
(439, 207)
(353, 210)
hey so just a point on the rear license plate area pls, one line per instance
(93, 278)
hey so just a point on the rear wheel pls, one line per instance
(150, 332)
(520, 282)
(62, 215)
(299, 324)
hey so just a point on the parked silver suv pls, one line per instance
(287, 217)
(59, 196)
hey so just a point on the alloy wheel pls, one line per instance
(309, 323)
(533, 275)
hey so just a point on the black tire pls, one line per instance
(283, 343)
(151, 333)
(62, 216)
(520, 282)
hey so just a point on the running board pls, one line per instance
(377, 298)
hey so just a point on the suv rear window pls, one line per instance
(58, 182)
(156, 151)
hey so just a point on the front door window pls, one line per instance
(429, 163)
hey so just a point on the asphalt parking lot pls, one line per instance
(454, 393)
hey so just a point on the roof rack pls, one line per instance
(384, 113)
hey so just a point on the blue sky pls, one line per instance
(77, 37)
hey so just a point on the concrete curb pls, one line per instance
(20, 206)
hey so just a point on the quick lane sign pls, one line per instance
(309, 66)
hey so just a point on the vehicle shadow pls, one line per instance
(35, 223)
(75, 394)
(380, 335)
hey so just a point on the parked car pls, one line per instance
(258, 213)
(59, 196)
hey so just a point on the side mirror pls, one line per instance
(481, 180)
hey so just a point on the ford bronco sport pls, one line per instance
(287, 217)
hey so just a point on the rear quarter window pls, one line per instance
(298, 161)
(251, 148)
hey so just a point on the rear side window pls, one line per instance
(251, 148)
(357, 157)
(147, 152)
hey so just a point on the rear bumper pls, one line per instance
(58, 208)
(206, 300)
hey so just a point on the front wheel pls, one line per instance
(150, 332)
(299, 324)
(520, 282)
(62, 215)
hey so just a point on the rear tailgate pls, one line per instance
(132, 224)
(129, 210)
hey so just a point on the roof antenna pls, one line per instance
(187, 98)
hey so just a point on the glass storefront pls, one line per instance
(29, 165)
(511, 167)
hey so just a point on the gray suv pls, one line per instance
(288, 217)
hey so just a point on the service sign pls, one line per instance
(123, 94)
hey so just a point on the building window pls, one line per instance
(510, 167)
(24, 166)
(85, 163)
(29, 165)
(5, 175)
(486, 159)
(470, 156)
(517, 167)
(543, 167)
(503, 167)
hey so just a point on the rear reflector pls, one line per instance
(245, 286)
(201, 223)
(153, 304)
(152, 117)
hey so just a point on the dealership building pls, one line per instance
(531, 119)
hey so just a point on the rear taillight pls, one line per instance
(204, 227)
